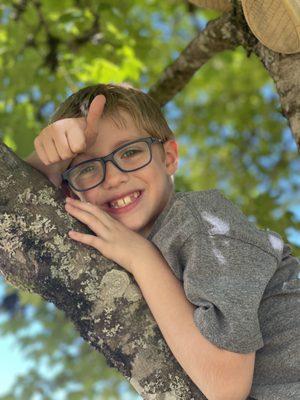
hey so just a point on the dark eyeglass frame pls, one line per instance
(110, 157)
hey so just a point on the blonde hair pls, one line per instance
(144, 111)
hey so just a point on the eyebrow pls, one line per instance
(120, 142)
(115, 146)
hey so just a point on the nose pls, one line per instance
(113, 176)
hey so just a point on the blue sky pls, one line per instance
(14, 363)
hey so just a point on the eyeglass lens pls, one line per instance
(129, 158)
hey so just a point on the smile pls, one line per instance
(126, 204)
(125, 200)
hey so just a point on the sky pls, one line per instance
(13, 363)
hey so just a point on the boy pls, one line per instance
(223, 292)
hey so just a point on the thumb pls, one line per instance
(94, 114)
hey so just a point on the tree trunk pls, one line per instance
(100, 297)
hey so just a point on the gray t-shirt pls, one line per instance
(244, 282)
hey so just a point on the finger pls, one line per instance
(84, 238)
(63, 148)
(60, 157)
(93, 118)
(88, 219)
(95, 212)
(41, 151)
(49, 148)
(76, 138)
(104, 217)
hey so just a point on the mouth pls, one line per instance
(119, 208)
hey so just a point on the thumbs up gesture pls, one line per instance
(58, 143)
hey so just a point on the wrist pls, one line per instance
(146, 257)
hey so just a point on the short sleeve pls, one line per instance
(226, 278)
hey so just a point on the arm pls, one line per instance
(58, 143)
(52, 171)
(219, 374)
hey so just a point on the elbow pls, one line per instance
(224, 392)
(224, 375)
(229, 395)
(233, 396)
(232, 388)
(233, 378)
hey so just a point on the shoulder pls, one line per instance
(220, 216)
(182, 216)
(213, 213)
(209, 212)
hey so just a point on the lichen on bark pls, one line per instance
(100, 297)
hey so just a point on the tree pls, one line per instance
(35, 254)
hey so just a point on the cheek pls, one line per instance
(83, 196)
(157, 166)
(90, 197)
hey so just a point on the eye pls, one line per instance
(86, 170)
(130, 153)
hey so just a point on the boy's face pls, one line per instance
(153, 181)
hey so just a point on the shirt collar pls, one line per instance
(162, 215)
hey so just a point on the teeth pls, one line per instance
(125, 201)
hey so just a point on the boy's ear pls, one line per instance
(171, 156)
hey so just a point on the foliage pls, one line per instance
(227, 121)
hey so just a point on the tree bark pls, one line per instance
(226, 33)
(285, 71)
(219, 35)
(101, 298)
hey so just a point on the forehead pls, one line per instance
(113, 132)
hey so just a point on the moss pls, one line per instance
(4, 184)
(9, 240)
(44, 196)
(27, 197)
(67, 269)
(60, 244)
(133, 293)
(41, 224)
(113, 285)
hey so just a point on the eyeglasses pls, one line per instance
(129, 157)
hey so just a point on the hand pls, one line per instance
(114, 240)
(60, 142)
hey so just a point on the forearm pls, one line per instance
(34, 160)
(52, 171)
(205, 363)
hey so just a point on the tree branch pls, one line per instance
(101, 298)
(219, 35)
(285, 72)
(226, 33)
